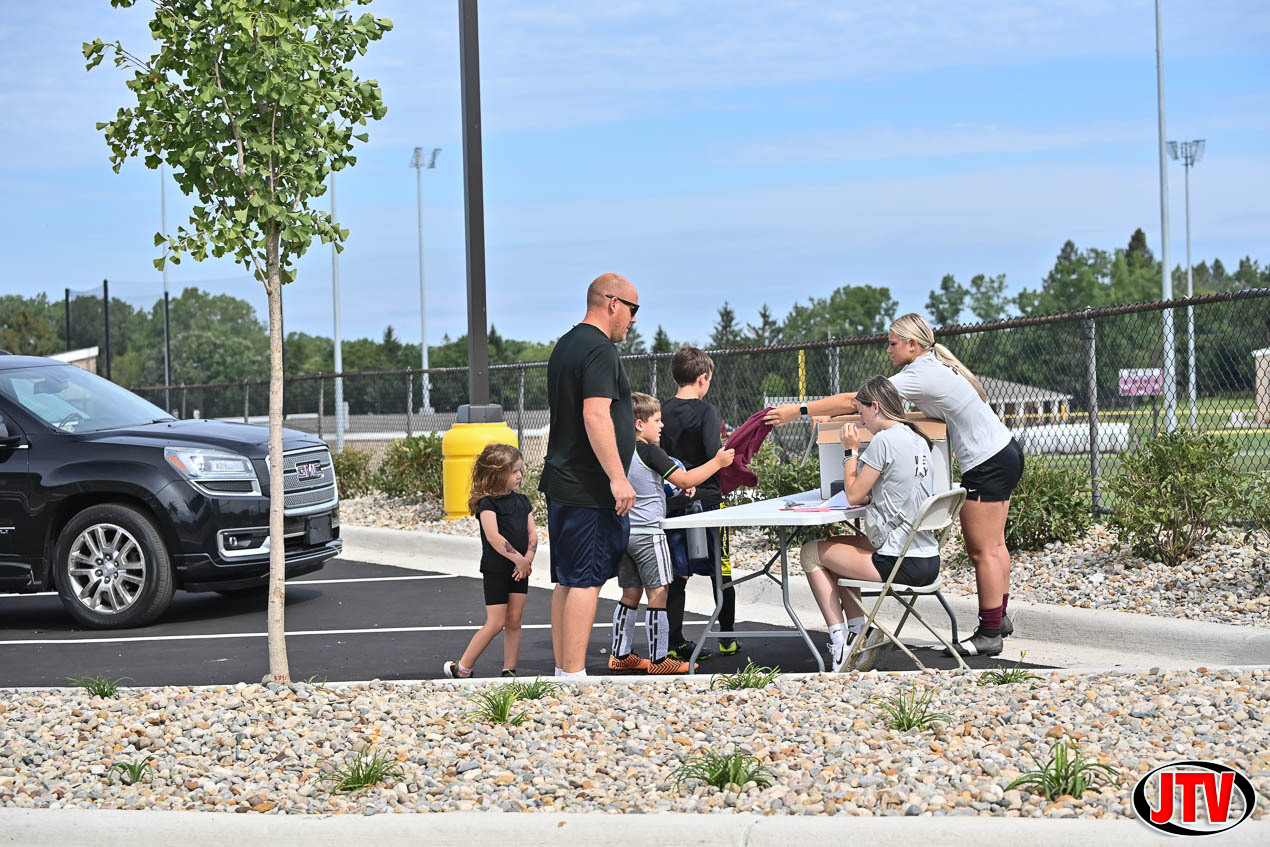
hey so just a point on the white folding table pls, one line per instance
(764, 513)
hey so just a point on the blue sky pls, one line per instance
(749, 151)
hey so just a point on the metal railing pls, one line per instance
(1077, 388)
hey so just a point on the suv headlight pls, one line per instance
(217, 473)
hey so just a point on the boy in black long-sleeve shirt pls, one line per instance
(693, 435)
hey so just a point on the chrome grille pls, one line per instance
(308, 495)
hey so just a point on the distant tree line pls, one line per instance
(219, 338)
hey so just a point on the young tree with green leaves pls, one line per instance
(251, 105)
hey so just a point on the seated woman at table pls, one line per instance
(893, 479)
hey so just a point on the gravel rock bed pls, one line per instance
(612, 747)
(1228, 582)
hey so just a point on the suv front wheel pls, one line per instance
(113, 569)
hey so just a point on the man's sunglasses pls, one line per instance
(634, 307)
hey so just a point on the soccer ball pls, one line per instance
(672, 491)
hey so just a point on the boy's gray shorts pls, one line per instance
(646, 562)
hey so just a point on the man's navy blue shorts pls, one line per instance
(587, 544)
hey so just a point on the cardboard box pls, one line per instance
(829, 444)
(827, 432)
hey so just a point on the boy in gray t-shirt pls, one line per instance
(645, 567)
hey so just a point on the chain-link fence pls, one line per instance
(1077, 388)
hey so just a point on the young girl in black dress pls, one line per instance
(509, 539)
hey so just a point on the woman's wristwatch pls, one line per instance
(802, 410)
(847, 453)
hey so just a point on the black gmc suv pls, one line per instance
(114, 504)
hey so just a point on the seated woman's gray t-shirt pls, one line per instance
(903, 459)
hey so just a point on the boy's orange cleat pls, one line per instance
(631, 662)
(668, 665)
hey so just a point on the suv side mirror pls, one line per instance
(8, 438)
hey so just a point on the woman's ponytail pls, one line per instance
(944, 355)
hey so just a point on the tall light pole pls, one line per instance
(1189, 152)
(167, 324)
(1166, 285)
(420, 162)
(339, 359)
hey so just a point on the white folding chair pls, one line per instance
(937, 514)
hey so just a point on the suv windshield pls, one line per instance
(73, 400)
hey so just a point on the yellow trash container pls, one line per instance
(460, 446)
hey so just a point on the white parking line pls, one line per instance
(370, 579)
(222, 635)
(296, 582)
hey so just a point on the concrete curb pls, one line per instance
(1172, 640)
(124, 828)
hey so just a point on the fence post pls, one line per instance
(833, 371)
(652, 370)
(520, 409)
(410, 399)
(1091, 368)
(183, 393)
(321, 404)
(246, 402)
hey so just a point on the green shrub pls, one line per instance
(727, 771)
(98, 686)
(1052, 503)
(529, 487)
(1256, 501)
(1065, 772)
(1174, 493)
(909, 709)
(366, 769)
(352, 472)
(751, 676)
(778, 478)
(498, 705)
(412, 467)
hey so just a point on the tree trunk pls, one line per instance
(278, 667)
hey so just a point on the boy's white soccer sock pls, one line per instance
(574, 675)
(838, 633)
(657, 628)
(856, 625)
(623, 630)
(559, 672)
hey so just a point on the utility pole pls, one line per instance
(105, 302)
(479, 409)
(339, 359)
(1166, 285)
(419, 164)
(167, 324)
(1189, 152)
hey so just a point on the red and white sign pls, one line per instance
(1141, 382)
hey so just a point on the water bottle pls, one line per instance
(698, 546)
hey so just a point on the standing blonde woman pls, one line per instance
(991, 461)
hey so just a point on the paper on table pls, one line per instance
(837, 501)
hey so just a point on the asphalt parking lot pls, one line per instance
(348, 621)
